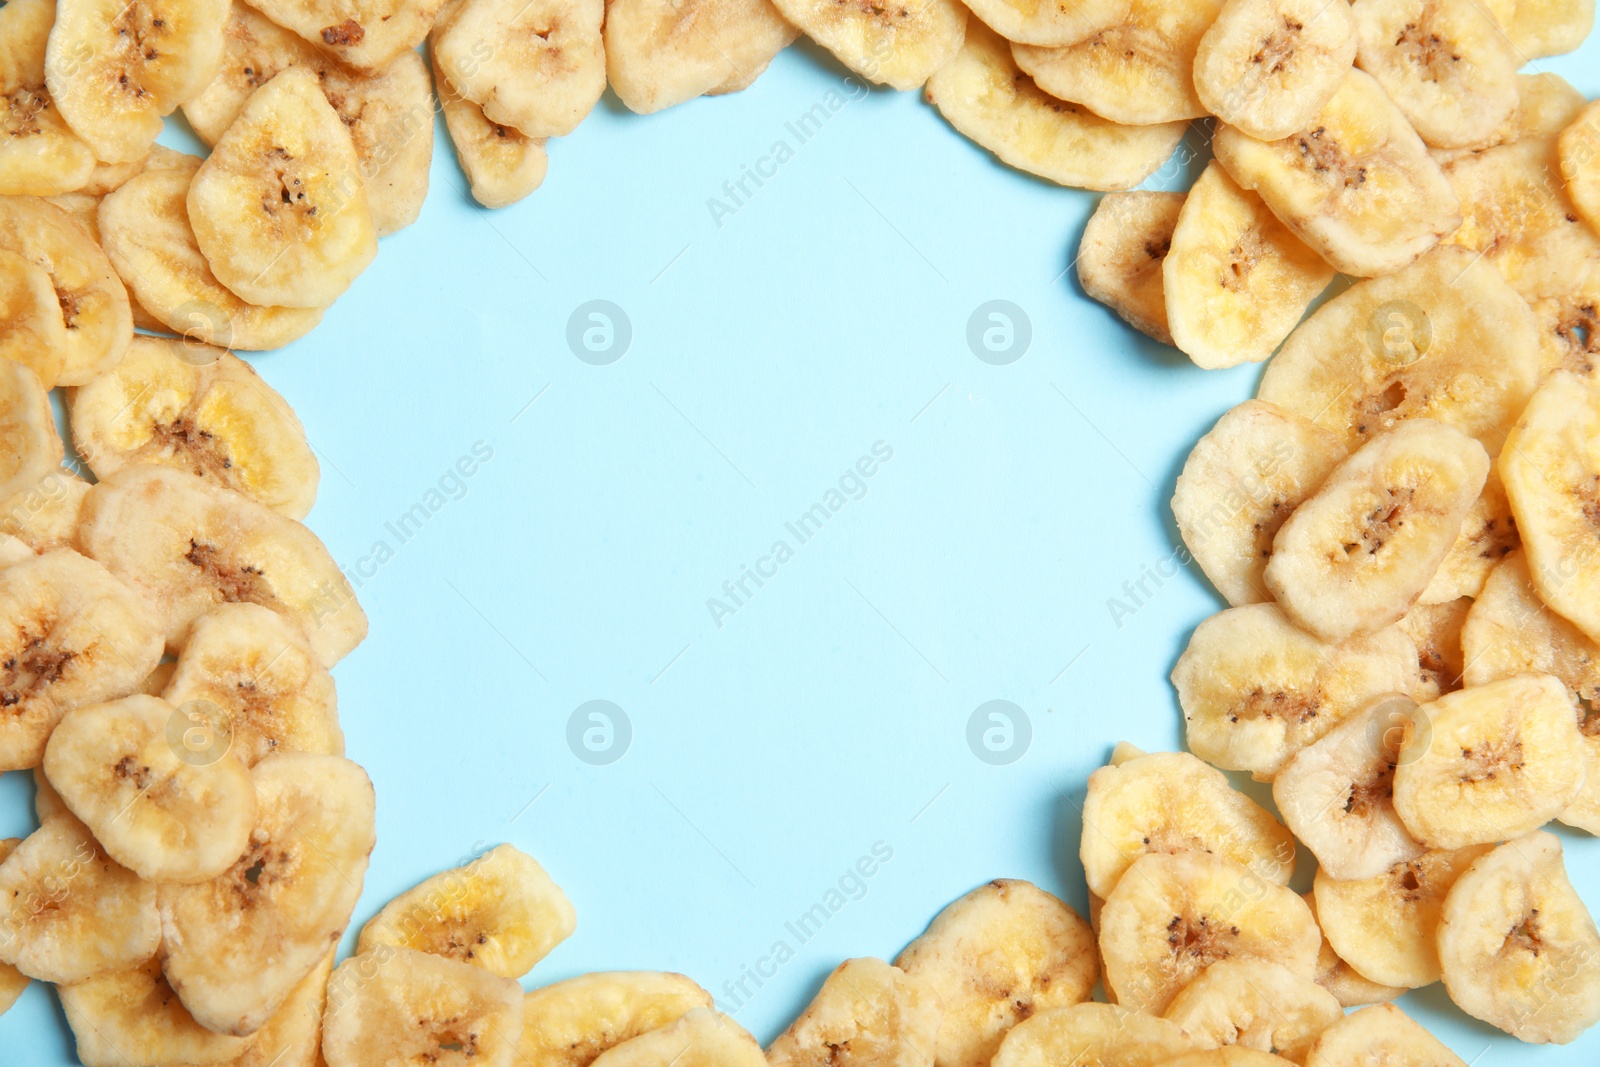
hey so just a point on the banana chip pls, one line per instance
(1580, 164)
(1092, 1035)
(39, 153)
(188, 545)
(1356, 183)
(68, 911)
(663, 52)
(132, 1016)
(1172, 916)
(1342, 980)
(365, 34)
(1171, 802)
(280, 208)
(867, 1014)
(1254, 1004)
(1056, 23)
(703, 1037)
(1436, 628)
(502, 166)
(237, 946)
(1381, 1034)
(30, 448)
(1236, 280)
(568, 1024)
(1255, 689)
(1119, 258)
(32, 330)
(1539, 28)
(293, 1037)
(1267, 67)
(45, 515)
(1488, 535)
(1002, 953)
(898, 45)
(1546, 104)
(1231, 1056)
(201, 410)
(12, 981)
(1518, 948)
(986, 98)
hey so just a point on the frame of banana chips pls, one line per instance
(1405, 524)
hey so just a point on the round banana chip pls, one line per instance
(94, 304)
(1342, 980)
(39, 153)
(986, 98)
(1255, 689)
(365, 34)
(1092, 1035)
(188, 545)
(32, 330)
(1436, 628)
(867, 1014)
(1119, 258)
(116, 67)
(1337, 794)
(1539, 28)
(701, 1038)
(30, 447)
(1384, 926)
(1445, 339)
(1518, 947)
(1056, 23)
(1356, 183)
(663, 52)
(198, 409)
(898, 45)
(568, 1024)
(1236, 280)
(237, 946)
(132, 1016)
(1254, 1004)
(1381, 1034)
(501, 912)
(68, 911)
(1139, 71)
(13, 981)
(280, 208)
(1171, 802)
(1488, 535)
(502, 166)
(1267, 67)
(1239, 485)
(45, 515)
(1172, 916)
(1002, 953)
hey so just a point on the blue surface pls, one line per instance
(828, 715)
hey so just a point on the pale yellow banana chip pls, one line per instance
(1005, 951)
(45, 515)
(1381, 1034)
(1384, 926)
(188, 545)
(1092, 1035)
(1172, 802)
(46, 801)
(1229, 1056)
(502, 166)
(30, 448)
(898, 45)
(68, 911)
(1342, 980)
(293, 1037)
(115, 67)
(39, 153)
(1436, 628)
(1356, 183)
(14, 550)
(1539, 28)
(132, 1016)
(1139, 71)
(1052, 22)
(237, 946)
(12, 981)
(280, 207)
(1487, 535)
(1236, 279)
(703, 1037)
(1267, 67)
(568, 1024)
(1255, 689)
(1569, 328)
(365, 34)
(660, 52)
(986, 98)
(1517, 945)
(1254, 1004)
(1546, 104)
(1444, 339)
(1119, 258)
(198, 409)
(1172, 916)
(1580, 164)
(545, 71)
(32, 329)
(867, 1014)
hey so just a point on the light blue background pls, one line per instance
(768, 354)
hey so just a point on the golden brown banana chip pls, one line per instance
(132, 1016)
(1268, 66)
(1119, 259)
(39, 153)
(502, 166)
(568, 1024)
(365, 34)
(32, 330)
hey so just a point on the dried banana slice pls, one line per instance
(94, 305)
(1569, 328)
(68, 911)
(1172, 916)
(197, 409)
(1171, 802)
(39, 153)
(701, 1038)
(12, 981)
(1381, 1034)
(659, 53)
(115, 67)
(501, 912)
(1236, 280)
(1356, 183)
(1139, 72)
(1539, 28)
(1005, 951)
(502, 166)
(1546, 104)
(13, 550)
(1337, 794)
(1384, 926)
(1436, 628)
(867, 1014)
(1445, 64)
(1255, 689)
(237, 946)
(72, 635)
(1119, 258)
(546, 70)
(895, 45)
(189, 545)
(1055, 23)
(168, 810)
(1489, 763)
(132, 1016)
(1254, 1004)
(1342, 980)
(568, 1024)
(1092, 1035)
(32, 329)
(1488, 534)
(1231, 1056)
(365, 34)
(986, 98)
(1551, 470)
(293, 1037)
(1267, 67)
(46, 802)
(30, 447)
(1579, 148)
(1517, 946)
(45, 515)
(280, 208)
(1444, 339)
